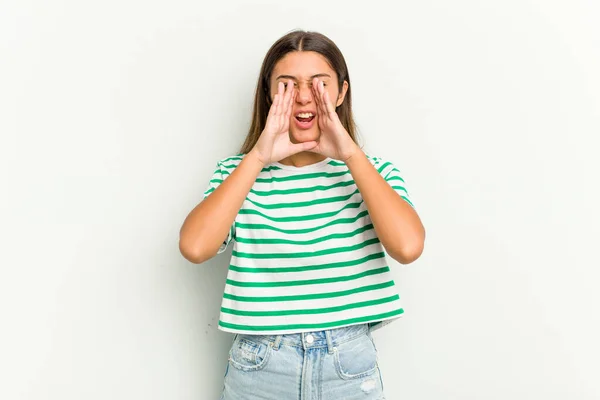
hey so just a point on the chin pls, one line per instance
(301, 136)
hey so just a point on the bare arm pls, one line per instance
(208, 224)
(397, 224)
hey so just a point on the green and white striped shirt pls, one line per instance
(305, 255)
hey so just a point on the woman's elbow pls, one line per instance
(409, 253)
(194, 254)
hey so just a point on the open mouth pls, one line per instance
(305, 117)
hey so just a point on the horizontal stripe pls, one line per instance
(316, 303)
(310, 274)
(309, 267)
(375, 317)
(307, 254)
(267, 169)
(309, 281)
(229, 166)
(386, 164)
(302, 190)
(277, 313)
(336, 163)
(302, 177)
(395, 178)
(271, 168)
(305, 242)
(302, 225)
(238, 157)
(296, 262)
(305, 230)
(311, 318)
(309, 296)
(297, 204)
(296, 218)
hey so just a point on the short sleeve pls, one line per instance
(218, 177)
(393, 176)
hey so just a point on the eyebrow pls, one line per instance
(295, 79)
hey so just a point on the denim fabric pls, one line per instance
(337, 364)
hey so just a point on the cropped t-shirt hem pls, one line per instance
(306, 257)
(373, 325)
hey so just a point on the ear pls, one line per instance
(342, 94)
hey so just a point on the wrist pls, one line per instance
(255, 159)
(353, 154)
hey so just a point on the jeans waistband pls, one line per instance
(328, 338)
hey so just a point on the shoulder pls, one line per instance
(230, 163)
(381, 164)
(372, 158)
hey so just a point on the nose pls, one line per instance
(304, 94)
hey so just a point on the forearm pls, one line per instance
(396, 223)
(208, 224)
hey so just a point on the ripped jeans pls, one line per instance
(336, 364)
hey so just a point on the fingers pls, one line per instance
(288, 112)
(280, 89)
(273, 108)
(304, 146)
(327, 101)
(324, 98)
(283, 100)
(289, 98)
(318, 91)
(280, 95)
(316, 96)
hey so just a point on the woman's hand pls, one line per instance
(334, 142)
(274, 143)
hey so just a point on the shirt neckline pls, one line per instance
(316, 165)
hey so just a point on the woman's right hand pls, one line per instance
(274, 143)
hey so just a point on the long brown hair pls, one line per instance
(298, 41)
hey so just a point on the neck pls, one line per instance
(302, 159)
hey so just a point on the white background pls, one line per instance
(114, 113)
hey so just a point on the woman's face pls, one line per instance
(301, 67)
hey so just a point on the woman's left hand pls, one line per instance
(334, 142)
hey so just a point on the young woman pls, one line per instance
(310, 215)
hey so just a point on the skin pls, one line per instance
(301, 81)
(305, 70)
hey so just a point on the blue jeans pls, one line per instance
(337, 364)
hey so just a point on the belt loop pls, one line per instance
(277, 343)
(329, 343)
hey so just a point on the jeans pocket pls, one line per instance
(248, 354)
(356, 358)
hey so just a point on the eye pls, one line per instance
(285, 85)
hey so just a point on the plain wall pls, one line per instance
(114, 113)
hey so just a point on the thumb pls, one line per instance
(304, 146)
